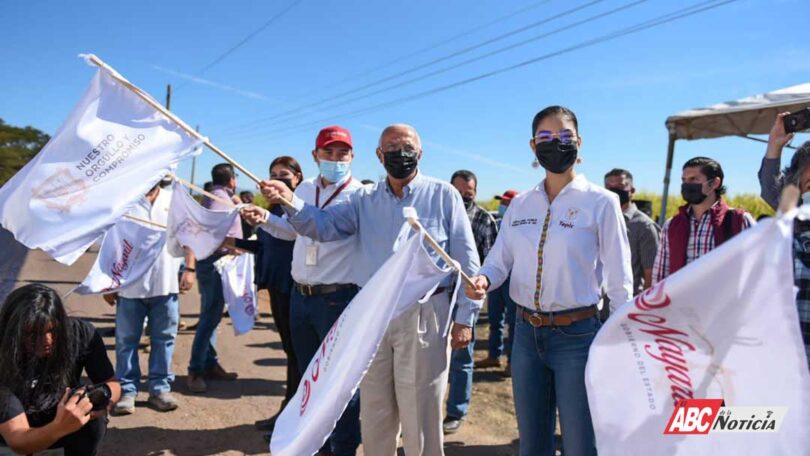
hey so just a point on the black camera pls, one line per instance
(99, 395)
(797, 121)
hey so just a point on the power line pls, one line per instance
(655, 22)
(433, 46)
(427, 64)
(474, 59)
(244, 40)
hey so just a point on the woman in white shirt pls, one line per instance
(551, 239)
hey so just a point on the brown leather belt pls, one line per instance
(538, 319)
(314, 290)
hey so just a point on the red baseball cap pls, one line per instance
(331, 135)
(507, 195)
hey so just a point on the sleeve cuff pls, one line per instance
(298, 206)
(467, 314)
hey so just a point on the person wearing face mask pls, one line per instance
(550, 241)
(700, 225)
(393, 398)
(273, 264)
(642, 231)
(324, 283)
(772, 180)
(485, 230)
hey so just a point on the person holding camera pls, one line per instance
(43, 353)
(771, 181)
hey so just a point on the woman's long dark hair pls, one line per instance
(24, 318)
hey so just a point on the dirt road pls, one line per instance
(221, 421)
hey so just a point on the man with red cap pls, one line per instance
(324, 282)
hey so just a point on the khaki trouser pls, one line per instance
(405, 384)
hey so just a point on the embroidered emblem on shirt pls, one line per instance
(571, 214)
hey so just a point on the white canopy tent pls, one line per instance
(745, 117)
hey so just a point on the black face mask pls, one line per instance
(692, 193)
(400, 163)
(287, 181)
(555, 156)
(624, 195)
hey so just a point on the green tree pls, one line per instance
(17, 147)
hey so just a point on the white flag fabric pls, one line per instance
(238, 290)
(128, 251)
(109, 152)
(193, 226)
(343, 358)
(724, 327)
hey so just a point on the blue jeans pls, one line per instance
(498, 304)
(310, 320)
(212, 304)
(460, 378)
(548, 371)
(163, 316)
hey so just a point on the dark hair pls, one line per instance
(464, 174)
(208, 186)
(709, 168)
(554, 111)
(620, 173)
(289, 163)
(367, 182)
(242, 195)
(222, 174)
(800, 160)
(24, 317)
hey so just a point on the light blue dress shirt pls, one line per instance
(375, 216)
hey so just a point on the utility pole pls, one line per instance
(169, 97)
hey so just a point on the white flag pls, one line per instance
(128, 251)
(193, 226)
(238, 290)
(724, 327)
(109, 152)
(335, 372)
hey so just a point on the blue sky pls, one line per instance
(621, 90)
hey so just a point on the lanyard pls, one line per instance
(337, 192)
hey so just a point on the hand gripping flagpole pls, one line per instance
(413, 220)
(91, 58)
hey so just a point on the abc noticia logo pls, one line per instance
(701, 416)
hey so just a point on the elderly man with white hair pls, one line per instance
(405, 384)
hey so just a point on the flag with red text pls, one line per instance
(709, 361)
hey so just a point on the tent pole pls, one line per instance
(667, 173)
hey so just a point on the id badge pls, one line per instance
(312, 255)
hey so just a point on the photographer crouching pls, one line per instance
(43, 353)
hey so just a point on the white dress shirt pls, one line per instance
(162, 278)
(586, 225)
(334, 262)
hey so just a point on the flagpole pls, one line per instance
(142, 220)
(194, 134)
(208, 194)
(439, 250)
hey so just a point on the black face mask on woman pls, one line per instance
(555, 156)
(287, 181)
(693, 193)
(400, 163)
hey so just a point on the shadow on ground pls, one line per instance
(155, 441)
(234, 389)
(459, 449)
